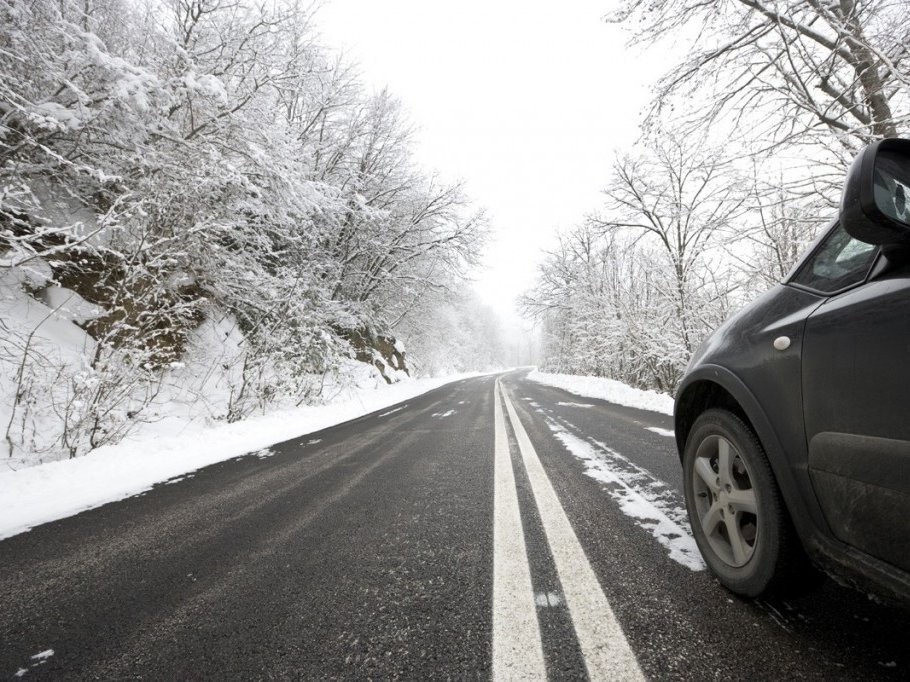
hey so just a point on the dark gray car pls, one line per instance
(793, 419)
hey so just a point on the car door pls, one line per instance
(856, 403)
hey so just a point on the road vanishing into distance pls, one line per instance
(492, 527)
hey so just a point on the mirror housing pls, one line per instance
(875, 206)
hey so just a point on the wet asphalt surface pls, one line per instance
(366, 550)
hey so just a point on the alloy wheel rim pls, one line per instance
(725, 500)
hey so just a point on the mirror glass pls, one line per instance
(891, 181)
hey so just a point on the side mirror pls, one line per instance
(875, 207)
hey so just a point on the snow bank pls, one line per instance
(606, 389)
(46, 492)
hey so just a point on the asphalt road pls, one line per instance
(369, 550)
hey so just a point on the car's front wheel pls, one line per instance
(735, 507)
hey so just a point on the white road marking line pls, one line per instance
(603, 644)
(517, 649)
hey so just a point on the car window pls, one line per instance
(839, 262)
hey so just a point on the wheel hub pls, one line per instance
(725, 501)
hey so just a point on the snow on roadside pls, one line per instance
(641, 495)
(606, 389)
(47, 492)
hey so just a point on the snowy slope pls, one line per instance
(39, 343)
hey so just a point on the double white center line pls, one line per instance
(517, 649)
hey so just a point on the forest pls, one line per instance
(201, 205)
(740, 163)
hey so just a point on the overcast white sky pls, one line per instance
(525, 101)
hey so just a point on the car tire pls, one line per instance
(738, 516)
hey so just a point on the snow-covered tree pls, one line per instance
(204, 164)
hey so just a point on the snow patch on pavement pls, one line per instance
(547, 599)
(606, 389)
(40, 659)
(172, 481)
(669, 433)
(443, 415)
(575, 404)
(55, 490)
(641, 495)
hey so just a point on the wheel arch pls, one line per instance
(713, 386)
(700, 395)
